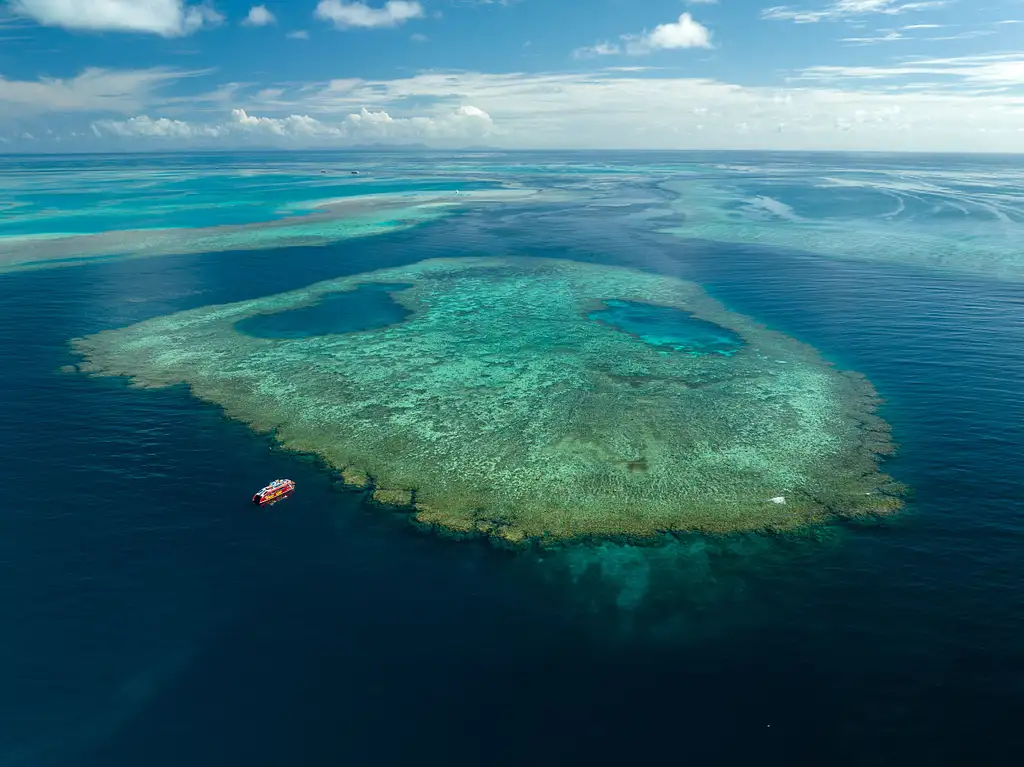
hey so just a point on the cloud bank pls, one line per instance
(467, 123)
(964, 103)
(824, 108)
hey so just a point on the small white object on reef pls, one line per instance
(778, 499)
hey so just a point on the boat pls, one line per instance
(274, 492)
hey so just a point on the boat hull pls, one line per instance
(267, 500)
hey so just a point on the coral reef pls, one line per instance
(500, 405)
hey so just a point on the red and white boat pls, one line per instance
(274, 492)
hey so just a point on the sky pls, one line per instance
(859, 75)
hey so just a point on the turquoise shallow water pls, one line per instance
(670, 328)
(54, 211)
(77, 197)
(963, 214)
(151, 617)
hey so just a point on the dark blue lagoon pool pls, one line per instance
(367, 307)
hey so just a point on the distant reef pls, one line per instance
(533, 399)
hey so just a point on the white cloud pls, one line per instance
(159, 128)
(472, 111)
(682, 33)
(418, 38)
(847, 9)
(892, 35)
(612, 108)
(928, 104)
(347, 14)
(94, 90)
(934, 74)
(259, 16)
(598, 49)
(298, 34)
(685, 32)
(167, 18)
(292, 126)
(884, 36)
(463, 124)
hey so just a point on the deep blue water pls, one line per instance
(668, 327)
(367, 307)
(152, 617)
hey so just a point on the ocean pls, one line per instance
(153, 617)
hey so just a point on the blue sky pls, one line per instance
(927, 75)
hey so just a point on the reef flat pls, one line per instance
(310, 223)
(532, 398)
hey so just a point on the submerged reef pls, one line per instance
(927, 224)
(532, 398)
(311, 223)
